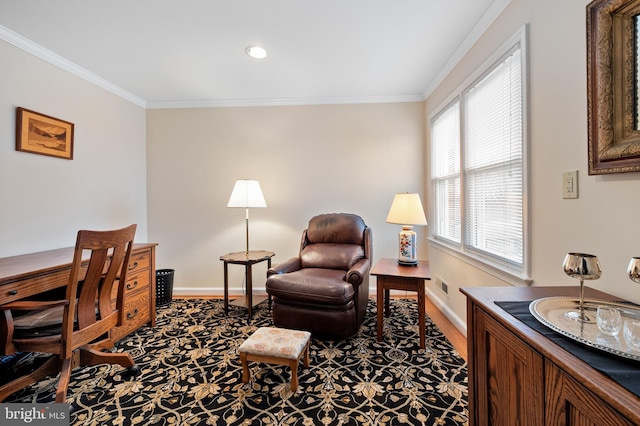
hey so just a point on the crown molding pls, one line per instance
(483, 24)
(282, 102)
(35, 49)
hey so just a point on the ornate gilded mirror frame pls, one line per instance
(612, 86)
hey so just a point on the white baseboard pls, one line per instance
(447, 312)
(261, 291)
(209, 292)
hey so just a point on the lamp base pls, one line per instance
(406, 263)
(407, 247)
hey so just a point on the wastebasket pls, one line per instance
(164, 286)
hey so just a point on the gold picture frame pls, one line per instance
(613, 81)
(41, 134)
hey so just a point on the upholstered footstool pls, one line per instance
(279, 346)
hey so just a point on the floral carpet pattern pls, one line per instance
(191, 375)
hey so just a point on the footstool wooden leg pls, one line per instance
(306, 355)
(293, 365)
(245, 368)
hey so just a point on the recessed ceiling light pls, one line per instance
(256, 52)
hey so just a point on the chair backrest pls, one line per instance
(333, 241)
(90, 286)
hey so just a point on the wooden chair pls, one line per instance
(86, 314)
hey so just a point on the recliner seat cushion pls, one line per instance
(331, 256)
(312, 285)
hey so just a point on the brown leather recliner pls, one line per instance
(325, 289)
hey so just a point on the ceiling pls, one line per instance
(169, 53)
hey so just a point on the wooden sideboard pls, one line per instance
(36, 273)
(519, 376)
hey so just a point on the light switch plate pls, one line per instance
(570, 184)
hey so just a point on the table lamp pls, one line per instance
(406, 210)
(246, 194)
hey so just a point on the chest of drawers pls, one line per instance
(139, 292)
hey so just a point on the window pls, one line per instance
(445, 173)
(478, 165)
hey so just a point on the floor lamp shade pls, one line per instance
(247, 194)
(406, 210)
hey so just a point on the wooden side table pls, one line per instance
(391, 276)
(248, 260)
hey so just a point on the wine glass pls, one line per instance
(584, 267)
(634, 269)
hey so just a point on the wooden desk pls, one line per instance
(248, 260)
(519, 376)
(391, 276)
(35, 273)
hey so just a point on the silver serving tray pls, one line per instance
(550, 312)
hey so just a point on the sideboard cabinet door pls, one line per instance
(569, 403)
(510, 376)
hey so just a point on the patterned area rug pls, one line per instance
(191, 375)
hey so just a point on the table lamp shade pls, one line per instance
(406, 210)
(246, 193)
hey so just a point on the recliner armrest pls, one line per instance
(287, 266)
(358, 271)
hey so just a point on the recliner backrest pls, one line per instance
(333, 241)
(338, 228)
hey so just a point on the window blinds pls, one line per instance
(493, 161)
(477, 165)
(445, 167)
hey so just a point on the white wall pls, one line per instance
(45, 200)
(308, 159)
(604, 220)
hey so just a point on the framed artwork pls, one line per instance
(613, 86)
(41, 134)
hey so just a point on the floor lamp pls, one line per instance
(247, 194)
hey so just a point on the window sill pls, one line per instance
(507, 275)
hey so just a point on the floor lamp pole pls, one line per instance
(247, 233)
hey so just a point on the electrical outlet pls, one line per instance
(570, 184)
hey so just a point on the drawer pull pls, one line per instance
(134, 266)
(131, 286)
(13, 292)
(132, 315)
